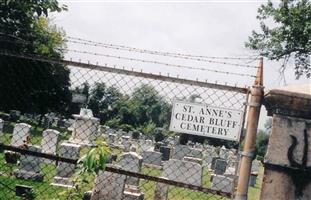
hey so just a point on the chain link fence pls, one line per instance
(99, 132)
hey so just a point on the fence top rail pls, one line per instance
(123, 71)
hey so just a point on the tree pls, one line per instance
(288, 38)
(103, 101)
(27, 85)
(144, 110)
(262, 140)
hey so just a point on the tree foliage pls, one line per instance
(143, 110)
(289, 37)
(26, 85)
(103, 101)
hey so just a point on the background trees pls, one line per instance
(32, 86)
(289, 37)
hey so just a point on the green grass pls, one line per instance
(45, 191)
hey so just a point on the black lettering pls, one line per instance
(229, 114)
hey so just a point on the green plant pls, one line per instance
(89, 164)
(95, 159)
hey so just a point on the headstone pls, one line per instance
(21, 134)
(180, 151)
(222, 183)
(208, 156)
(176, 140)
(29, 167)
(183, 171)
(126, 143)
(65, 170)
(223, 152)
(84, 128)
(252, 180)
(255, 167)
(49, 141)
(157, 146)
(146, 145)
(132, 162)
(193, 159)
(220, 166)
(166, 152)
(111, 139)
(196, 153)
(108, 186)
(47, 121)
(152, 158)
(214, 162)
(132, 193)
(230, 171)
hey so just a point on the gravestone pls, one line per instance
(193, 159)
(49, 141)
(196, 153)
(214, 162)
(132, 193)
(255, 167)
(183, 171)
(223, 152)
(20, 137)
(180, 151)
(108, 185)
(84, 128)
(65, 170)
(223, 183)
(152, 158)
(208, 156)
(157, 146)
(111, 139)
(132, 162)
(21, 134)
(126, 143)
(252, 180)
(176, 140)
(220, 166)
(29, 166)
(146, 145)
(166, 152)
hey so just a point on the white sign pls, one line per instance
(205, 120)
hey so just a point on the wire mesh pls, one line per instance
(55, 117)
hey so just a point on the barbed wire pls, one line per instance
(160, 63)
(145, 61)
(166, 54)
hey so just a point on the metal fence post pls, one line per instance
(249, 146)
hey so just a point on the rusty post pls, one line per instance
(247, 154)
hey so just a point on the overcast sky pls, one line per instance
(210, 28)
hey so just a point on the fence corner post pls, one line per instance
(250, 138)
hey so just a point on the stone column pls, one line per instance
(287, 163)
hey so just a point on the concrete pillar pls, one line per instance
(287, 173)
